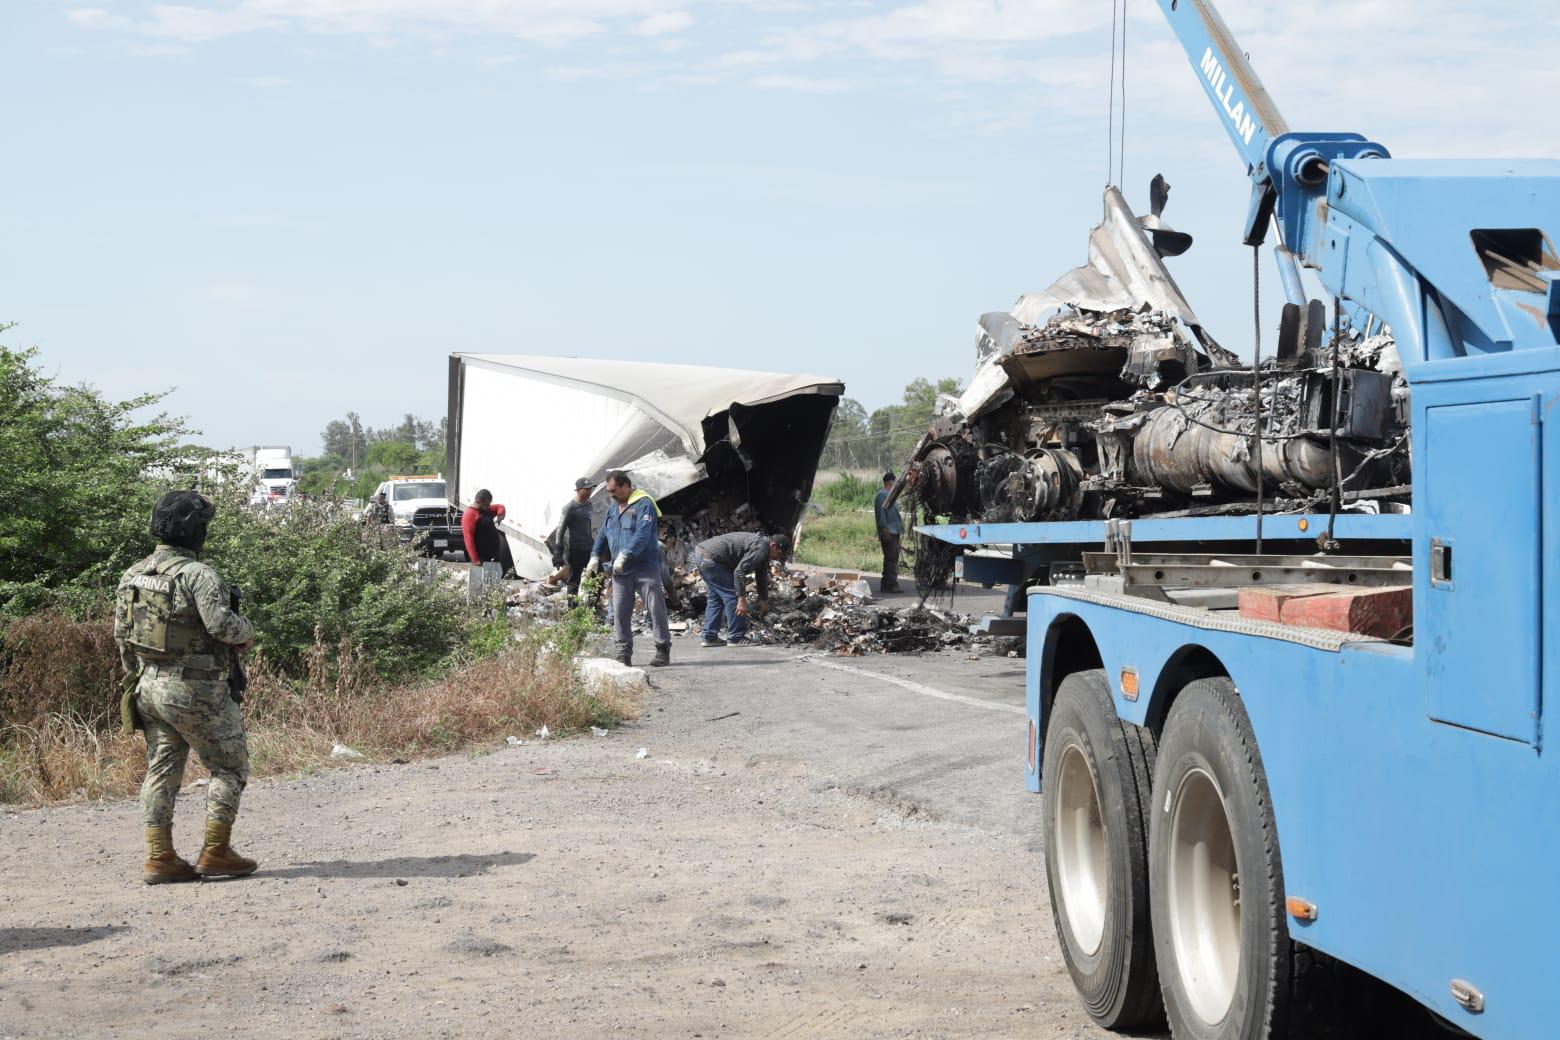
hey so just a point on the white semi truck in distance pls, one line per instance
(274, 476)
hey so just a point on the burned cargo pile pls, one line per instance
(831, 615)
(837, 617)
(681, 533)
(1105, 397)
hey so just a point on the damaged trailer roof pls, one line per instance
(677, 397)
(527, 426)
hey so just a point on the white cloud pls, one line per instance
(1408, 72)
(159, 49)
(543, 21)
(802, 84)
(663, 22)
(95, 18)
(237, 293)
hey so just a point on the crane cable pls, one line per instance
(1256, 374)
(1121, 152)
(1110, 118)
(1116, 136)
(1336, 496)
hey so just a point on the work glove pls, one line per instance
(593, 566)
(621, 561)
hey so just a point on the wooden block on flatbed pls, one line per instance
(1266, 602)
(1379, 612)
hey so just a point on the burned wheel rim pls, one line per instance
(1078, 838)
(1204, 896)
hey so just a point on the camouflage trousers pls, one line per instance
(183, 714)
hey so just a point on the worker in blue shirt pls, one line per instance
(890, 527)
(630, 544)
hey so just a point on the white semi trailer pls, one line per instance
(526, 428)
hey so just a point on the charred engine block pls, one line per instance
(1104, 396)
(1208, 442)
(1205, 439)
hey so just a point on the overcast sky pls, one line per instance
(288, 209)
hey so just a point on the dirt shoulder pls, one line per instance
(715, 888)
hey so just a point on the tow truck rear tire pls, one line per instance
(1096, 780)
(1227, 965)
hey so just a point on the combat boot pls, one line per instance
(663, 655)
(163, 865)
(625, 655)
(217, 858)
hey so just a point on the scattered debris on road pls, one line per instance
(831, 613)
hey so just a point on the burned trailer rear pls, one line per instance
(719, 449)
(1104, 397)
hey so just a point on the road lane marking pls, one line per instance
(914, 687)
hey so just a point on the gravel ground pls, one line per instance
(804, 852)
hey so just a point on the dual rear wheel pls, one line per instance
(1166, 884)
(1096, 776)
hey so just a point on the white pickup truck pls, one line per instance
(420, 512)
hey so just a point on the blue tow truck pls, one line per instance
(1242, 813)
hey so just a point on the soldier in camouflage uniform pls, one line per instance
(178, 638)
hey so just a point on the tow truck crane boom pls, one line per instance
(1448, 253)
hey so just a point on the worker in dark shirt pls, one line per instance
(572, 540)
(485, 543)
(724, 563)
(890, 529)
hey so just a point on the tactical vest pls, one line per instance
(158, 630)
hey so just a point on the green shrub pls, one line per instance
(847, 492)
(308, 576)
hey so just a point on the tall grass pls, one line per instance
(846, 491)
(64, 745)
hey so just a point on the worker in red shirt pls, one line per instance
(485, 543)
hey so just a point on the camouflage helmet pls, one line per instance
(181, 518)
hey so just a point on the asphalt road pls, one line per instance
(943, 732)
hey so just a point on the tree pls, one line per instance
(337, 438)
(846, 435)
(394, 456)
(921, 395)
(884, 439)
(344, 439)
(81, 473)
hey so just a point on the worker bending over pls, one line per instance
(724, 563)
